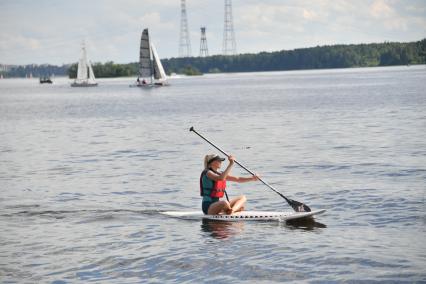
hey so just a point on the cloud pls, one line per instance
(51, 31)
(269, 18)
(11, 42)
(379, 9)
(309, 15)
(389, 17)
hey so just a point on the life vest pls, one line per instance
(218, 188)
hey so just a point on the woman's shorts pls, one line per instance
(205, 206)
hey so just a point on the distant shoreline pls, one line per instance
(320, 57)
(180, 76)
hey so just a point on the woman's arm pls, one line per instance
(213, 176)
(241, 179)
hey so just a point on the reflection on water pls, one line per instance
(308, 224)
(225, 229)
(222, 229)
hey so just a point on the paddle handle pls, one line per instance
(238, 163)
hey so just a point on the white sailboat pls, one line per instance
(85, 75)
(151, 71)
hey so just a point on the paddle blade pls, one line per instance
(298, 206)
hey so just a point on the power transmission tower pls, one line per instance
(204, 51)
(229, 45)
(184, 43)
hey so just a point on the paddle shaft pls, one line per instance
(238, 163)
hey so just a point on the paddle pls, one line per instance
(296, 205)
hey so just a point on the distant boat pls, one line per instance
(151, 71)
(85, 75)
(45, 80)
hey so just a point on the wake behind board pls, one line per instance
(244, 216)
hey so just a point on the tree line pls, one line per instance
(34, 70)
(333, 56)
(320, 57)
(108, 70)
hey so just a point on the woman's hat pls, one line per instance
(211, 158)
(216, 158)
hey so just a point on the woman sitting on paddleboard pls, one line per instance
(213, 184)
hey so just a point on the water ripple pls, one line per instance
(85, 173)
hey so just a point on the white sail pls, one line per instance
(145, 64)
(159, 73)
(91, 74)
(82, 66)
(85, 75)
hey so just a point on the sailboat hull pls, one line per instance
(84, 84)
(148, 86)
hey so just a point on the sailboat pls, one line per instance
(85, 75)
(151, 71)
(45, 80)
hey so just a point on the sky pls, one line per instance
(51, 31)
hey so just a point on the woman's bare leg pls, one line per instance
(220, 207)
(237, 203)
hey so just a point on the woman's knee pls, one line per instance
(218, 207)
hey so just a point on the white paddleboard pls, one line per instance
(244, 216)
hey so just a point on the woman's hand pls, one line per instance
(231, 159)
(225, 174)
(255, 177)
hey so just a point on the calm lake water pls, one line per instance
(85, 173)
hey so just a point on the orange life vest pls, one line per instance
(218, 188)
